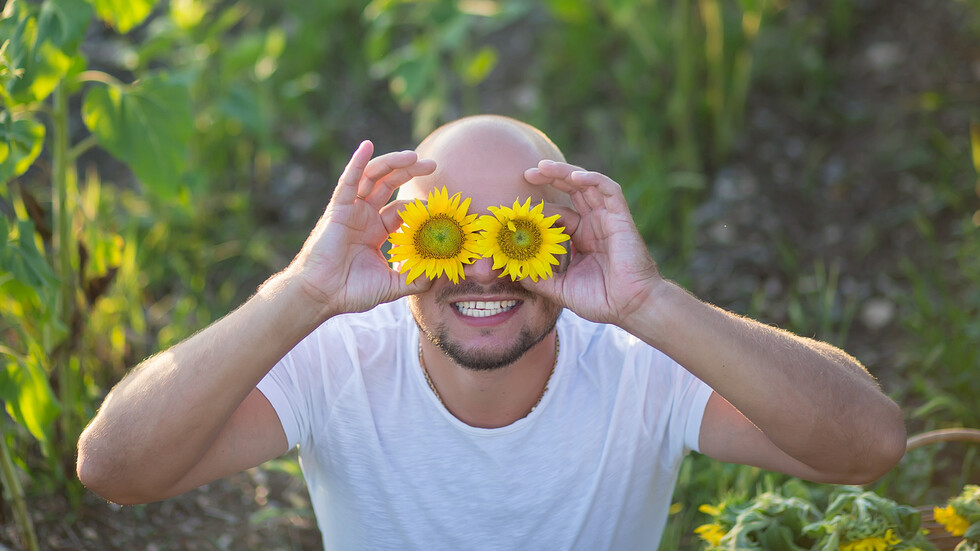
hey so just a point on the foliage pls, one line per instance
(786, 518)
(961, 517)
(134, 132)
(656, 90)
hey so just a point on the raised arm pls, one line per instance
(191, 414)
(781, 402)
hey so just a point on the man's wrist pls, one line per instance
(290, 292)
(650, 320)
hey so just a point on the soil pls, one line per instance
(824, 185)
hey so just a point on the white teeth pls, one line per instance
(483, 309)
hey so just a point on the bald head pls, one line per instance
(484, 158)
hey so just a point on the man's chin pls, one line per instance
(486, 358)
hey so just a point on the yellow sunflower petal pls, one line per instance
(435, 237)
(521, 240)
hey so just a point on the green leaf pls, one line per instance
(30, 401)
(146, 125)
(244, 105)
(123, 14)
(479, 66)
(20, 144)
(22, 259)
(973, 532)
(63, 23)
(43, 45)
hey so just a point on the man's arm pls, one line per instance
(782, 402)
(815, 412)
(191, 414)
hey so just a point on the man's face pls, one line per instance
(483, 322)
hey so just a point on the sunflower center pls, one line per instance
(439, 237)
(520, 239)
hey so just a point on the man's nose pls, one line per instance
(481, 271)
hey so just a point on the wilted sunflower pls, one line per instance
(520, 240)
(436, 237)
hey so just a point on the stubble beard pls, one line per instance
(482, 359)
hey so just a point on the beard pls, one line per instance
(487, 360)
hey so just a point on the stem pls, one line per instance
(98, 76)
(16, 494)
(63, 254)
(87, 143)
(681, 105)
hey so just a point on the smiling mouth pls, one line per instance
(483, 309)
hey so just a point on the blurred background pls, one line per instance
(812, 164)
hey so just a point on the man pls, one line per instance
(488, 414)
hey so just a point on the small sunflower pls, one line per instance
(953, 522)
(873, 543)
(435, 237)
(520, 240)
(711, 533)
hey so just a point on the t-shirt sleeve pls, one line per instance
(295, 386)
(689, 407)
(674, 399)
(278, 388)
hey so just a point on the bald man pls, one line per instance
(487, 414)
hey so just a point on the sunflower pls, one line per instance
(520, 240)
(435, 237)
(711, 533)
(876, 543)
(953, 522)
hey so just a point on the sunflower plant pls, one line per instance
(961, 517)
(521, 240)
(771, 520)
(858, 520)
(854, 520)
(435, 237)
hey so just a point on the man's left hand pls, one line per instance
(611, 273)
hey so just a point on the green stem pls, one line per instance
(87, 143)
(98, 76)
(681, 107)
(15, 493)
(63, 250)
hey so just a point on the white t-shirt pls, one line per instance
(388, 467)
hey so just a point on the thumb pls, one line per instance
(399, 287)
(549, 288)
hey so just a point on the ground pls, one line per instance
(825, 187)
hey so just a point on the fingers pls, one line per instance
(550, 172)
(587, 189)
(419, 285)
(346, 189)
(568, 218)
(385, 173)
(391, 217)
(374, 180)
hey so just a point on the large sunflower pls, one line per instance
(521, 240)
(435, 237)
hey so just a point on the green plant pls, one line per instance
(961, 517)
(702, 480)
(429, 52)
(770, 520)
(792, 518)
(58, 269)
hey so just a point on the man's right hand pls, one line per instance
(141, 447)
(341, 267)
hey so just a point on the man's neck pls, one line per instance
(493, 398)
